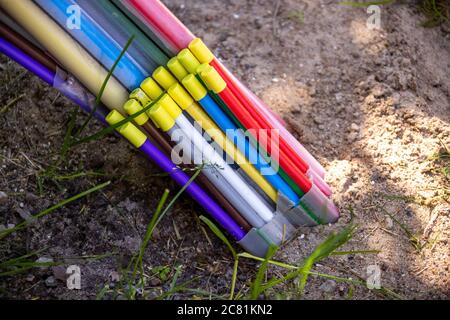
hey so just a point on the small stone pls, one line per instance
(379, 92)
(356, 55)
(409, 212)
(426, 193)
(129, 205)
(114, 276)
(44, 260)
(396, 99)
(258, 24)
(59, 272)
(328, 286)
(31, 197)
(51, 282)
(154, 282)
(354, 127)
(353, 136)
(30, 278)
(318, 120)
(24, 214)
(3, 197)
(389, 222)
(445, 27)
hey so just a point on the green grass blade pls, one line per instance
(104, 84)
(256, 288)
(174, 200)
(219, 234)
(138, 265)
(234, 278)
(9, 262)
(110, 129)
(53, 208)
(346, 253)
(102, 293)
(149, 232)
(275, 263)
(365, 4)
(173, 283)
(322, 251)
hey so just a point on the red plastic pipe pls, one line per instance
(159, 17)
(260, 119)
(164, 23)
(249, 122)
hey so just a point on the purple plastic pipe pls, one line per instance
(153, 153)
(150, 150)
(16, 54)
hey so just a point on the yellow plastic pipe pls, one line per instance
(67, 51)
(197, 113)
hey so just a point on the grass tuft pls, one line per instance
(257, 287)
(436, 11)
(219, 234)
(322, 251)
(133, 279)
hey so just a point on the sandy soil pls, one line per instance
(371, 105)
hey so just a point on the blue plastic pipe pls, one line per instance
(244, 145)
(110, 18)
(97, 41)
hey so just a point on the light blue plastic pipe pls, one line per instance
(110, 18)
(243, 144)
(97, 41)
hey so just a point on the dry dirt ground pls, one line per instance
(371, 105)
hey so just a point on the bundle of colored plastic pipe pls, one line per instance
(174, 100)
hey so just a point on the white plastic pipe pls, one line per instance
(211, 157)
(217, 180)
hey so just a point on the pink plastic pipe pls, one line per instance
(164, 23)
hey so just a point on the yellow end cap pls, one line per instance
(188, 60)
(114, 117)
(195, 88)
(132, 107)
(170, 106)
(181, 96)
(128, 130)
(133, 134)
(163, 77)
(161, 118)
(139, 95)
(151, 88)
(213, 80)
(177, 68)
(201, 51)
(203, 67)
